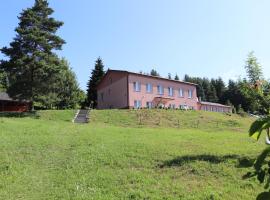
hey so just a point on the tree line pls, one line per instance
(251, 94)
(33, 71)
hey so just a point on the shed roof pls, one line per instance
(5, 97)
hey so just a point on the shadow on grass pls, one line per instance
(241, 162)
(32, 114)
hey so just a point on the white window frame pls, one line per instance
(137, 104)
(181, 92)
(149, 88)
(190, 94)
(149, 104)
(160, 89)
(137, 86)
(170, 91)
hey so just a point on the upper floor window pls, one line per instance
(190, 94)
(160, 90)
(170, 91)
(149, 88)
(137, 86)
(181, 92)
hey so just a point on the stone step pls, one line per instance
(82, 117)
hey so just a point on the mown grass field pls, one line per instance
(127, 154)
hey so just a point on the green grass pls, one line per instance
(119, 156)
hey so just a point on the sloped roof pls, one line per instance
(150, 76)
(5, 97)
(213, 104)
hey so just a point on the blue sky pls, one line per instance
(200, 38)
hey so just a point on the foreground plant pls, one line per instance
(262, 163)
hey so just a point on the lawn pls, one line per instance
(127, 154)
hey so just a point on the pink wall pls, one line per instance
(144, 97)
(114, 92)
(215, 108)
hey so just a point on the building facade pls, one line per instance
(8, 104)
(123, 89)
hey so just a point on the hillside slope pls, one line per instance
(171, 119)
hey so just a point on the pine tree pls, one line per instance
(154, 73)
(212, 94)
(32, 58)
(169, 76)
(176, 77)
(94, 80)
(3, 81)
(253, 68)
(220, 88)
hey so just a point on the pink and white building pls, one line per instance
(123, 89)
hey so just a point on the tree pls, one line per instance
(70, 94)
(176, 77)
(32, 58)
(212, 94)
(169, 76)
(154, 73)
(220, 88)
(262, 163)
(3, 81)
(253, 69)
(96, 75)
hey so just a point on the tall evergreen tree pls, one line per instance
(3, 81)
(212, 94)
(253, 68)
(154, 73)
(176, 77)
(96, 75)
(220, 88)
(32, 58)
(169, 76)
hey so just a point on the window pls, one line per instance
(149, 88)
(102, 97)
(160, 90)
(137, 104)
(172, 106)
(137, 86)
(149, 104)
(181, 92)
(190, 94)
(183, 107)
(170, 91)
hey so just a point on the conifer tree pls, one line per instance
(96, 75)
(154, 73)
(176, 77)
(32, 58)
(253, 68)
(169, 76)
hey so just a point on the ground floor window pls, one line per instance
(137, 104)
(172, 106)
(183, 107)
(149, 104)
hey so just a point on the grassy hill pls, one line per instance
(127, 154)
(171, 119)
